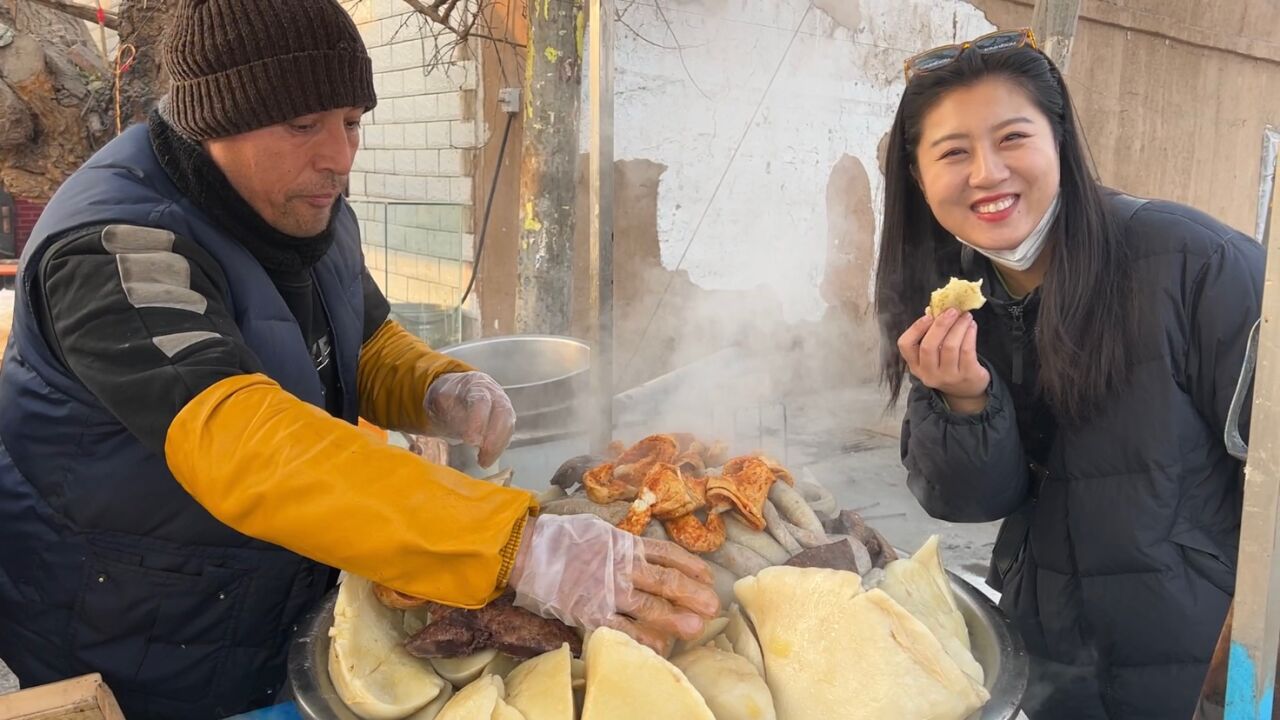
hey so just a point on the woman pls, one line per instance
(1085, 402)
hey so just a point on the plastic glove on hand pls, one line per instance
(587, 573)
(471, 407)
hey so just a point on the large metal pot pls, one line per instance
(996, 646)
(544, 375)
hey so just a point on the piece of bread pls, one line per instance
(542, 688)
(372, 672)
(728, 682)
(628, 681)
(920, 585)
(481, 700)
(963, 295)
(830, 649)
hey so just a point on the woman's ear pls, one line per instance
(915, 175)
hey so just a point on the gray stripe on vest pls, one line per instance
(159, 279)
(173, 344)
(125, 239)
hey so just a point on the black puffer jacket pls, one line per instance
(1118, 564)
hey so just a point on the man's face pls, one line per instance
(292, 173)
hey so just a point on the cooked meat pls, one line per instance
(850, 522)
(744, 485)
(500, 625)
(448, 637)
(696, 536)
(570, 473)
(632, 466)
(836, 556)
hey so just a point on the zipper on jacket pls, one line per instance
(1019, 330)
(333, 342)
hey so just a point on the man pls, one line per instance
(194, 338)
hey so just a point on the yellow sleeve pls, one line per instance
(395, 370)
(280, 470)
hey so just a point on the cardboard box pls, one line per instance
(83, 698)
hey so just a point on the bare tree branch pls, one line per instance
(620, 15)
(504, 41)
(438, 12)
(475, 18)
(622, 20)
(485, 21)
(448, 9)
(441, 12)
(404, 24)
(679, 49)
(82, 12)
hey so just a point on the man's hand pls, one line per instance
(589, 574)
(473, 408)
(943, 354)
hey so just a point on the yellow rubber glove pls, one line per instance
(281, 470)
(395, 370)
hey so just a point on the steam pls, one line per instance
(767, 187)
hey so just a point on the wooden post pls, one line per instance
(601, 186)
(1255, 627)
(552, 97)
(1054, 22)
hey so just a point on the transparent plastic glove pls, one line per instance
(471, 407)
(587, 573)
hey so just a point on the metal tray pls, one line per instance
(996, 646)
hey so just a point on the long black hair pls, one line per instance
(1087, 308)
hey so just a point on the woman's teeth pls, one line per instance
(994, 207)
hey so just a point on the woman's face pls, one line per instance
(988, 164)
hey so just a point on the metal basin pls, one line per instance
(998, 649)
(996, 646)
(546, 376)
(540, 373)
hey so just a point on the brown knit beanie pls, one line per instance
(240, 65)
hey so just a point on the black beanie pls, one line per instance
(240, 65)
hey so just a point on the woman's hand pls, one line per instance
(942, 353)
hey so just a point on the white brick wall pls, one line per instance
(422, 253)
(423, 112)
(417, 146)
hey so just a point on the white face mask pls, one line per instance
(1025, 254)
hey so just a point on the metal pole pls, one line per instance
(1267, 188)
(600, 25)
(386, 251)
(1255, 627)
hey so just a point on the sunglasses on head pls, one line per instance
(947, 54)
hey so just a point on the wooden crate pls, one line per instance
(83, 698)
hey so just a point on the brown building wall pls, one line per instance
(501, 66)
(1174, 95)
